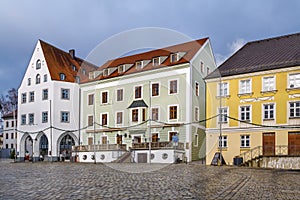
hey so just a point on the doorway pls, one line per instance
(66, 144)
(268, 144)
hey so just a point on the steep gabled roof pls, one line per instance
(262, 55)
(59, 61)
(189, 48)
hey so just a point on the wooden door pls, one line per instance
(268, 144)
(90, 141)
(104, 139)
(294, 143)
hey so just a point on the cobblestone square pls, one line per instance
(143, 181)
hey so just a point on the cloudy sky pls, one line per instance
(83, 25)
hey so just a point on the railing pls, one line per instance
(158, 145)
(100, 147)
(280, 150)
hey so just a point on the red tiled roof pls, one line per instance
(59, 62)
(262, 55)
(190, 49)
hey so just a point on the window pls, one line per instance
(294, 109)
(62, 76)
(135, 115)
(173, 112)
(121, 69)
(12, 123)
(245, 86)
(31, 118)
(144, 114)
(29, 81)
(139, 64)
(23, 119)
(202, 67)
(91, 99)
(38, 79)
(245, 113)
(65, 117)
(120, 95)
(155, 137)
(104, 96)
(83, 71)
(196, 88)
(174, 57)
(294, 80)
(6, 136)
(223, 141)
(104, 119)
(223, 112)
(77, 79)
(196, 117)
(11, 146)
(73, 68)
(268, 83)
(138, 92)
(90, 120)
(223, 89)
(245, 140)
(173, 87)
(105, 72)
(119, 117)
(44, 117)
(196, 140)
(7, 124)
(119, 139)
(24, 97)
(156, 61)
(31, 96)
(45, 78)
(65, 94)
(268, 111)
(155, 89)
(45, 94)
(6, 146)
(155, 114)
(38, 64)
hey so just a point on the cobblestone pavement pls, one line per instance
(178, 181)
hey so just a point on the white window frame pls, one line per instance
(196, 113)
(139, 65)
(31, 96)
(24, 98)
(197, 89)
(177, 117)
(122, 122)
(45, 117)
(23, 119)
(196, 140)
(43, 94)
(63, 95)
(122, 95)
(223, 89)
(107, 114)
(38, 79)
(88, 96)
(89, 121)
(250, 112)
(158, 89)
(269, 85)
(269, 111)
(245, 89)
(295, 108)
(158, 108)
(244, 139)
(45, 78)
(28, 81)
(31, 118)
(61, 117)
(174, 55)
(294, 80)
(102, 97)
(154, 64)
(169, 86)
(222, 118)
(141, 92)
(223, 141)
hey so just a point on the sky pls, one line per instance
(82, 25)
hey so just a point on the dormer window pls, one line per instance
(105, 72)
(38, 79)
(38, 64)
(174, 57)
(62, 76)
(139, 64)
(121, 69)
(73, 68)
(77, 79)
(156, 61)
(91, 75)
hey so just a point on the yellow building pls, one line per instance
(253, 99)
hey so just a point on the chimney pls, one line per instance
(72, 53)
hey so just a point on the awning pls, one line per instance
(138, 104)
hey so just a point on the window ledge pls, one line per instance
(294, 117)
(293, 88)
(269, 91)
(245, 94)
(245, 148)
(268, 119)
(223, 96)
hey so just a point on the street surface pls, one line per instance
(143, 181)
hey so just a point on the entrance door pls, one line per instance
(66, 144)
(268, 144)
(294, 143)
(104, 139)
(43, 146)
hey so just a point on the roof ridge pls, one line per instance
(273, 38)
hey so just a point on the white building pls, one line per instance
(48, 108)
(9, 131)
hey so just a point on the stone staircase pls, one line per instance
(125, 158)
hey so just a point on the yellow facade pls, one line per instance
(269, 111)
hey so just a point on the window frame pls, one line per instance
(65, 96)
(244, 86)
(223, 89)
(140, 92)
(45, 117)
(90, 99)
(135, 115)
(243, 141)
(241, 112)
(222, 118)
(104, 120)
(268, 86)
(31, 118)
(31, 96)
(171, 89)
(152, 113)
(119, 122)
(155, 93)
(104, 97)
(24, 98)
(295, 83)
(23, 119)
(296, 109)
(173, 114)
(90, 120)
(38, 64)
(197, 89)
(120, 93)
(45, 94)
(223, 141)
(37, 79)
(62, 120)
(269, 111)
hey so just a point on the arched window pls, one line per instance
(38, 64)
(38, 79)
(62, 76)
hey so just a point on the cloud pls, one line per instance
(232, 47)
